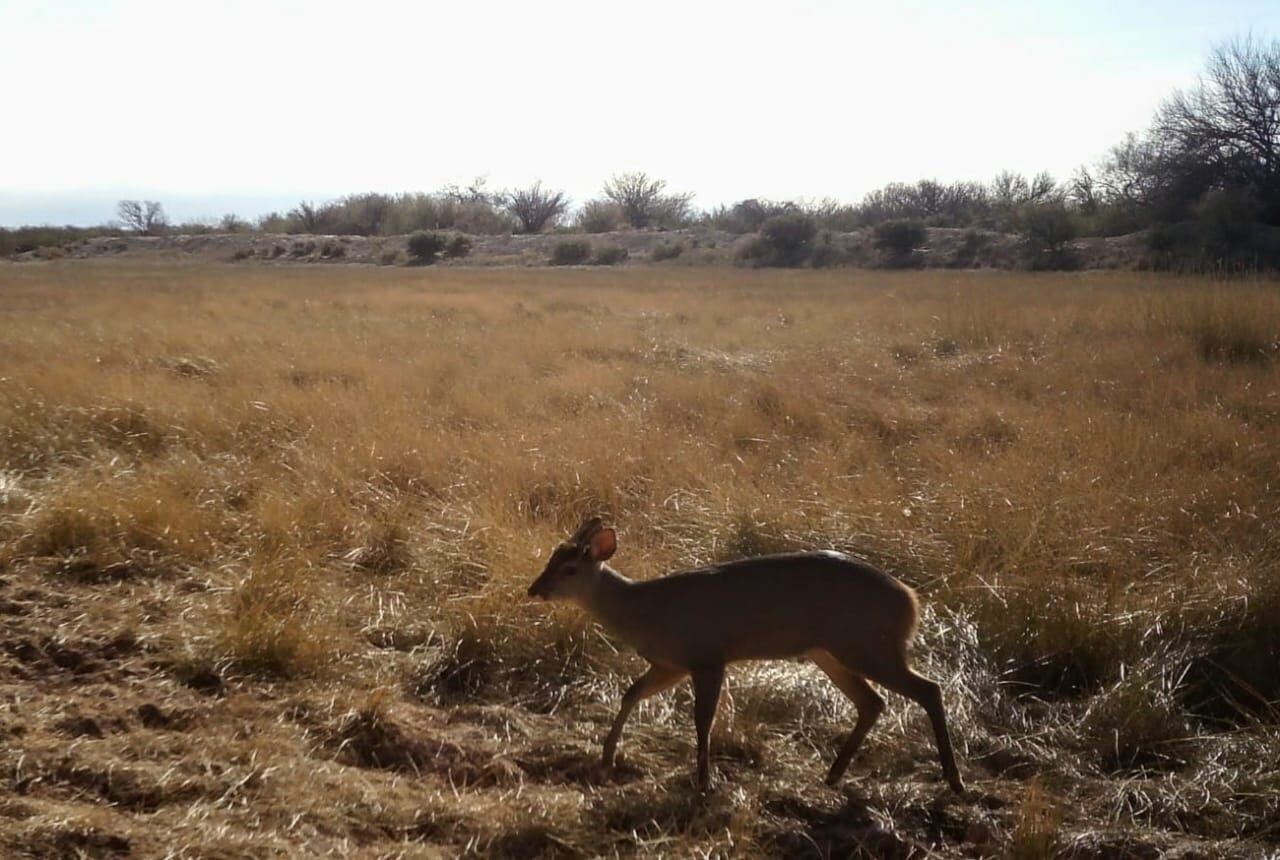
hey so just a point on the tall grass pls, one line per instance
(354, 475)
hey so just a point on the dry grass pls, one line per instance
(265, 535)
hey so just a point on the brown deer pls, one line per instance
(851, 619)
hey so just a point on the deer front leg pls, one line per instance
(657, 679)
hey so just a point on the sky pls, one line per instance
(251, 106)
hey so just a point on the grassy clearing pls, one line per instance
(294, 511)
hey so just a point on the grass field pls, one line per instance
(265, 534)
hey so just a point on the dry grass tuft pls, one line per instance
(1036, 830)
(271, 624)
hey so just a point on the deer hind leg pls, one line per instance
(866, 700)
(707, 682)
(897, 676)
(657, 679)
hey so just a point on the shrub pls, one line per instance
(826, 253)
(899, 237)
(570, 252)
(666, 251)
(302, 249)
(1047, 226)
(754, 252)
(424, 246)
(1225, 221)
(1169, 238)
(746, 216)
(790, 233)
(535, 207)
(609, 255)
(389, 257)
(972, 243)
(599, 216)
(459, 246)
(644, 202)
(784, 240)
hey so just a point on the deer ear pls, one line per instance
(589, 526)
(603, 545)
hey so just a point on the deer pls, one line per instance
(851, 619)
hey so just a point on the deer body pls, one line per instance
(851, 619)
(771, 607)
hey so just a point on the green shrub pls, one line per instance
(459, 246)
(609, 255)
(1225, 219)
(791, 235)
(900, 237)
(424, 246)
(570, 252)
(599, 216)
(1170, 238)
(747, 216)
(826, 252)
(972, 243)
(1047, 227)
(785, 240)
(666, 251)
(754, 252)
(21, 240)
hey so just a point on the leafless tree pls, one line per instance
(232, 223)
(1229, 123)
(1128, 175)
(535, 207)
(476, 192)
(643, 200)
(1083, 191)
(1013, 189)
(307, 217)
(142, 216)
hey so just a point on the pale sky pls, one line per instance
(247, 106)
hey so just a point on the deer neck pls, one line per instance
(609, 600)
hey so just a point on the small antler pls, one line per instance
(589, 527)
